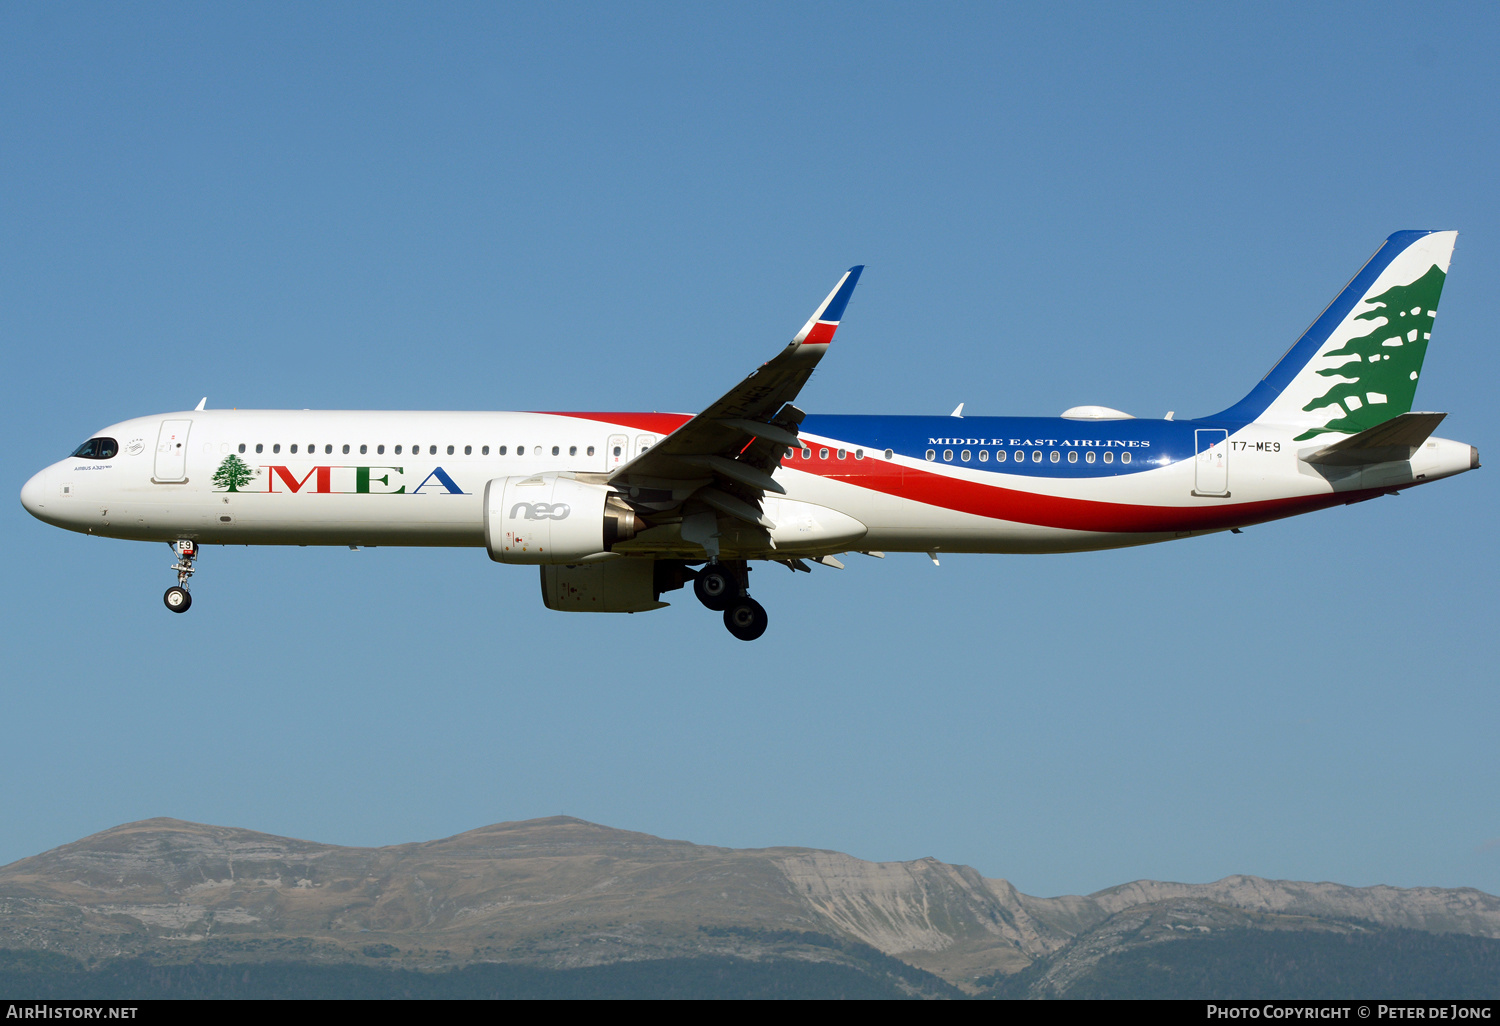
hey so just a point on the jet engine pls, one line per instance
(553, 518)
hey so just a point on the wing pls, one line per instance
(722, 459)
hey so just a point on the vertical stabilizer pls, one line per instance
(1357, 365)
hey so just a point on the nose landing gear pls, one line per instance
(724, 587)
(177, 598)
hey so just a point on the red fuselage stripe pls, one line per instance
(998, 502)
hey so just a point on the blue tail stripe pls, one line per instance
(1306, 347)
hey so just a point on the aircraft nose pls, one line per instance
(34, 494)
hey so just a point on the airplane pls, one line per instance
(617, 509)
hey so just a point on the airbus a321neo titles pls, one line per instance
(619, 508)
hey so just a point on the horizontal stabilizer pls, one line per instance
(1395, 440)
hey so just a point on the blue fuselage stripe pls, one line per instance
(1150, 443)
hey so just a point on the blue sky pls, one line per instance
(629, 207)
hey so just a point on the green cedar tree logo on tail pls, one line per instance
(1382, 382)
(234, 473)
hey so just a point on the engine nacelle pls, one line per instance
(552, 518)
(619, 585)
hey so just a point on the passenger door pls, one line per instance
(171, 452)
(1212, 477)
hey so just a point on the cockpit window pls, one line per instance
(97, 449)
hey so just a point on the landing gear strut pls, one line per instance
(177, 598)
(724, 587)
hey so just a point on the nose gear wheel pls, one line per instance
(178, 599)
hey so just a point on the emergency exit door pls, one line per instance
(617, 454)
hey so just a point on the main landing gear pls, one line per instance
(724, 587)
(177, 598)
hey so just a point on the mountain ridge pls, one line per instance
(562, 892)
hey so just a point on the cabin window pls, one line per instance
(890, 454)
(328, 449)
(807, 454)
(276, 447)
(346, 449)
(485, 451)
(859, 454)
(617, 450)
(842, 453)
(964, 455)
(520, 450)
(1073, 456)
(450, 450)
(822, 454)
(999, 455)
(242, 447)
(1055, 456)
(432, 450)
(259, 447)
(931, 455)
(554, 450)
(1036, 456)
(947, 455)
(1124, 457)
(294, 449)
(788, 455)
(984, 455)
(468, 450)
(572, 450)
(380, 450)
(1020, 456)
(1088, 457)
(98, 449)
(591, 450)
(1109, 457)
(398, 450)
(363, 449)
(501, 450)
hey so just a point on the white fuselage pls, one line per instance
(418, 478)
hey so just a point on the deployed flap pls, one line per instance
(726, 438)
(1395, 440)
